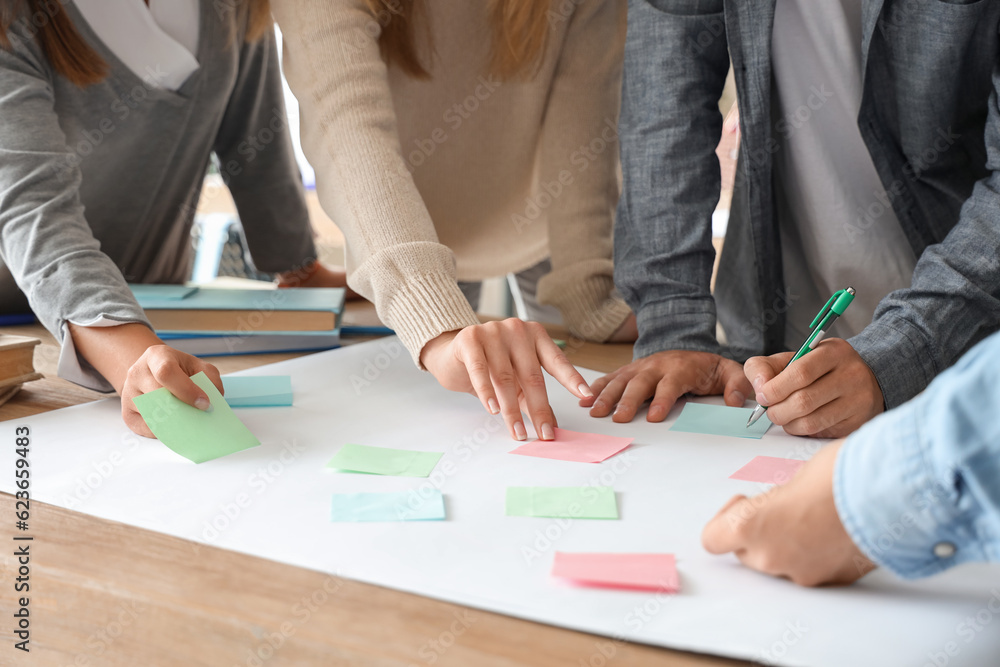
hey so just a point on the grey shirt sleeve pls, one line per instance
(670, 126)
(953, 301)
(44, 237)
(258, 164)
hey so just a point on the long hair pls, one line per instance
(519, 34)
(71, 56)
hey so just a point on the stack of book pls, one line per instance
(17, 364)
(209, 322)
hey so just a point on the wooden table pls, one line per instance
(104, 593)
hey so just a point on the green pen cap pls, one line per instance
(838, 303)
(843, 301)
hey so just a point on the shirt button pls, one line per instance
(944, 549)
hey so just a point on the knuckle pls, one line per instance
(505, 377)
(768, 562)
(468, 335)
(797, 373)
(809, 425)
(483, 389)
(159, 367)
(533, 381)
(803, 403)
(478, 367)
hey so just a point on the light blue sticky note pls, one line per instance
(258, 391)
(720, 420)
(402, 506)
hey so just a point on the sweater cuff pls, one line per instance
(424, 308)
(590, 306)
(896, 353)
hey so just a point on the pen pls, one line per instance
(827, 315)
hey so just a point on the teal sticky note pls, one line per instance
(195, 434)
(258, 391)
(401, 506)
(384, 461)
(720, 420)
(571, 502)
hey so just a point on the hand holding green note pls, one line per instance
(195, 434)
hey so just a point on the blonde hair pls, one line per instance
(519, 31)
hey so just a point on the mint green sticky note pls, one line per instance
(384, 461)
(195, 434)
(396, 506)
(720, 420)
(258, 391)
(571, 502)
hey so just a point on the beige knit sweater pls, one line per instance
(463, 176)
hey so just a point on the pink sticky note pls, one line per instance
(643, 572)
(768, 469)
(573, 446)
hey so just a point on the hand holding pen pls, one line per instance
(827, 392)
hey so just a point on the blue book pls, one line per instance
(217, 344)
(242, 311)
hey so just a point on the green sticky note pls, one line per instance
(258, 391)
(571, 502)
(384, 461)
(195, 434)
(720, 420)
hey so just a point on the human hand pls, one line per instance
(792, 531)
(163, 366)
(828, 393)
(501, 363)
(666, 376)
(628, 332)
(316, 275)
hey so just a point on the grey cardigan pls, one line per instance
(98, 186)
(930, 119)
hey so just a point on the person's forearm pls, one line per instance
(113, 350)
(915, 488)
(663, 237)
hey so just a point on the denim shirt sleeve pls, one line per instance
(918, 489)
(670, 125)
(953, 301)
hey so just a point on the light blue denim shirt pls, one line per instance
(918, 489)
(931, 122)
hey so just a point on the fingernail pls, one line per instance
(584, 390)
(655, 412)
(519, 432)
(761, 398)
(202, 403)
(739, 398)
(547, 432)
(598, 404)
(758, 382)
(494, 408)
(619, 408)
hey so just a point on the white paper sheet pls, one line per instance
(668, 484)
